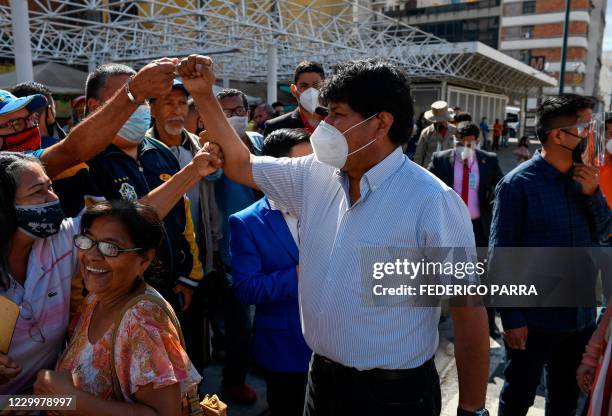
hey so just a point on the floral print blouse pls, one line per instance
(147, 351)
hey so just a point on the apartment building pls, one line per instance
(532, 32)
(453, 20)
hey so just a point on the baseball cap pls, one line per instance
(10, 103)
(177, 83)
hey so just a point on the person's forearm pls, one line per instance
(471, 355)
(90, 405)
(237, 165)
(163, 198)
(89, 137)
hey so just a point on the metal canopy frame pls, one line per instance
(239, 33)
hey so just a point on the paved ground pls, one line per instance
(445, 362)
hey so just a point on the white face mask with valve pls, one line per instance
(309, 99)
(467, 153)
(330, 145)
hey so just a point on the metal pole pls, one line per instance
(564, 48)
(272, 72)
(522, 116)
(22, 50)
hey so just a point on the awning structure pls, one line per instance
(60, 79)
(249, 39)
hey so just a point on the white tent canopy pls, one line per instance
(248, 38)
(60, 79)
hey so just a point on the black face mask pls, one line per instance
(578, 151)
(439, 127)
(40, 220)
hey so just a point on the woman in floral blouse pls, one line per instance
(116, 245)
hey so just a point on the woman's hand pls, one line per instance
(49, 382)
(8, 369)
(585, 376)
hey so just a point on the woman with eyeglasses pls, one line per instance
(116, 245)
(38, 259)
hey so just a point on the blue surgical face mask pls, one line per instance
(40, 220)
(137, 125)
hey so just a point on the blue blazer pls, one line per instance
(264, 259)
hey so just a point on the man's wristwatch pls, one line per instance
(131, 97)
(480, 412)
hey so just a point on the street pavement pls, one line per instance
(445, 362)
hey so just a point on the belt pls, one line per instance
(375, 373)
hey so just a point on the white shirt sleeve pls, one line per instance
(282, 180)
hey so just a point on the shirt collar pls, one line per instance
(547, 169)
(377, 175)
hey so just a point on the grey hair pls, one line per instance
(97, 79)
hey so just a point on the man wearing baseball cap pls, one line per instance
(19, 122)
(436, 137)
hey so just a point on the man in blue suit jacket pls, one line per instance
(264, 252)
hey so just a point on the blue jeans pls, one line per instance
(559, 354)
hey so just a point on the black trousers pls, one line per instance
(285, 392)
(336, 390)
(231, 325)
(558, 353)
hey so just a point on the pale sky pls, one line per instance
(607, 42)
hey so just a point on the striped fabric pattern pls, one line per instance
(45, 304)
(401, 206)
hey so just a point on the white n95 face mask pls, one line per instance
(239, 124)
(309, 99)
(330, 145)
(137, 125)
(609, 146)
(467, 153)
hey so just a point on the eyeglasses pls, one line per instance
(237, 111)
(82, 242)
(582, 129)
(19, 124)
(35, 331)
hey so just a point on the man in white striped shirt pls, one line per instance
(360, 191)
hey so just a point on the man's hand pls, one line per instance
(206, 163)
(187, 295)
(54, 383)
(154, 80)
(585, 376)
(588, 177)
(212, 148)
(8, 369)
(197, 74)
(516, 338)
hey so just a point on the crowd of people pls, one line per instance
(168, 210)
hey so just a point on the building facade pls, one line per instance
(532, 32)
(453, 20)
(605, 81)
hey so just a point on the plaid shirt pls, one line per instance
(538, 206)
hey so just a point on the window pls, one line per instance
(526, 32)
(525, 56)
(529, 7)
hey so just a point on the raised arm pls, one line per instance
(97, 131)
(164, 197)
(199, 78)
